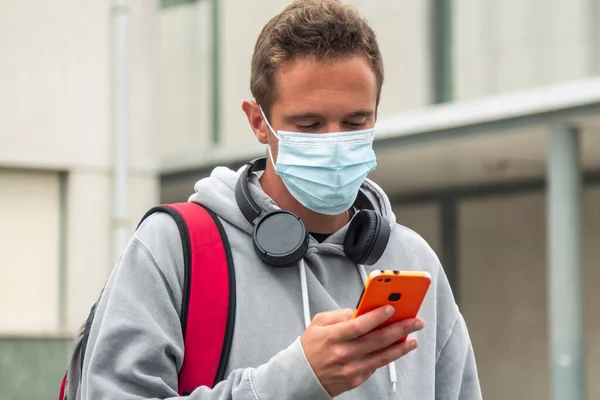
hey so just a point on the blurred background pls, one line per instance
(488, 145)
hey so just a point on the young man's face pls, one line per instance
(320, 96)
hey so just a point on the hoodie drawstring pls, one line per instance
(303, 284)
(363, 273)
(393, 376)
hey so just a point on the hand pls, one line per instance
(344, 352)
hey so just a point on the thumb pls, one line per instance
(332, 317)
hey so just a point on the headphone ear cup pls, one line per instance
(366, 238)
(280, 239)
(360, 235)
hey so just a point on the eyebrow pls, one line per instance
(308, 115)
(361, 113)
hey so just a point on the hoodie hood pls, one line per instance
(217, 192)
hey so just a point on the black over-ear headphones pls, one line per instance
(280, 238)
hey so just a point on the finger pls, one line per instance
(382, 338)
(392, 353)
(332, 317)
(363, 324)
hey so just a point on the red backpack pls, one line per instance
(206, 253)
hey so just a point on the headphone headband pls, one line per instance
(243, 197)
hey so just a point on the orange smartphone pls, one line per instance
(404, 290)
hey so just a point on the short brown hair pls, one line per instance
(313, 28)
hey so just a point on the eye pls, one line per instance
(356, 124)
(307, 127)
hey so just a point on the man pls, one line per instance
(316, 79)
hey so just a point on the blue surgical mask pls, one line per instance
(324, 171)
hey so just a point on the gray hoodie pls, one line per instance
(135, 348)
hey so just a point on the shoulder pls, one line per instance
(159, 235)
(158, 225)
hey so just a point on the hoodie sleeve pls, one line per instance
(455, 369)
(135, 348)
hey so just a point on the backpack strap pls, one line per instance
(208, 303)
(61, 394)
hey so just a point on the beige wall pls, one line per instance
(56, 102)
(507, 45)
(55, 82)
(183, 77)
(55, 73)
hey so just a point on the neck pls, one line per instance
(274, 187)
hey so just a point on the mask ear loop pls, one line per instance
(267, 122)
(272, 131)
(271, 156)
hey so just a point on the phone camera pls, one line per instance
(387, 280)
(394, 297)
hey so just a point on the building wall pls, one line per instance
(501, 46)
(56, 155)
(183, 77)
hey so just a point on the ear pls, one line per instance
(256, 121)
